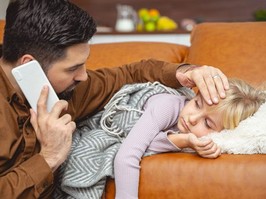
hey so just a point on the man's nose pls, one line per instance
(82, 75)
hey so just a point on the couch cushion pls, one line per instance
(237, 48)
(116, 54)
(184, 175)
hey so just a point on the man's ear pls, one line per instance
(26, 58)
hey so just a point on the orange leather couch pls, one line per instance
(238, 49)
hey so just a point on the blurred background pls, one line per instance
(161, 20)
(181, 15)
(182, 12)
(3, 5)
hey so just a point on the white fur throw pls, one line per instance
(249, 137)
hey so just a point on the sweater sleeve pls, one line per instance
(161, 143)
(161, 112)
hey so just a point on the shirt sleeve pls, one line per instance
(161, 112)
(92, 95)
(24, 181)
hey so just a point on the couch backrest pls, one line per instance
(116, 54)
(237, 48)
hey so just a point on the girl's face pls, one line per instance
(195, 118)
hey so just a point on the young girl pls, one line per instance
(172, 123)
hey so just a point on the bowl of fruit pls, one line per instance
(151, 20)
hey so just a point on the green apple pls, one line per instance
(150, 26)
(144, 14)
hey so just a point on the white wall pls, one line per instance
(183, 39)
(3, 6)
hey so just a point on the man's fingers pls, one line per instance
(72, 125)
(218, 84)
(225, 83)
(214, 85)
(204, 87)
(210, 81)
(67, 120)
(41, 104)
(33, 120)
(58, 108)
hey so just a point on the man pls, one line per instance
(56, 34)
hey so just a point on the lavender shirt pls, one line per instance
(149, 134)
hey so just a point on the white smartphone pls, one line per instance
(31, 79)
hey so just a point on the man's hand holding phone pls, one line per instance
(54, 132)
(31, 79)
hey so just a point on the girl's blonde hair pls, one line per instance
(242, 101)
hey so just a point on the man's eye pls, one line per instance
(72, 69)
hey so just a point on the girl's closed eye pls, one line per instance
(207, 124)
(197, 104)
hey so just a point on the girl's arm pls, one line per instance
(205, 148)
(160, 113)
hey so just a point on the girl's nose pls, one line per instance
(194, 118)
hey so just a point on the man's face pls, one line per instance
(195, 118)
(65, 74)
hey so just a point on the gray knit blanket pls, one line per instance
(98, 138)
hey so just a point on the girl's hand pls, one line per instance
(205, 148)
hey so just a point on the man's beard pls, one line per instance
(68, 93)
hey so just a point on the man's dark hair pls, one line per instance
(44, 29)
